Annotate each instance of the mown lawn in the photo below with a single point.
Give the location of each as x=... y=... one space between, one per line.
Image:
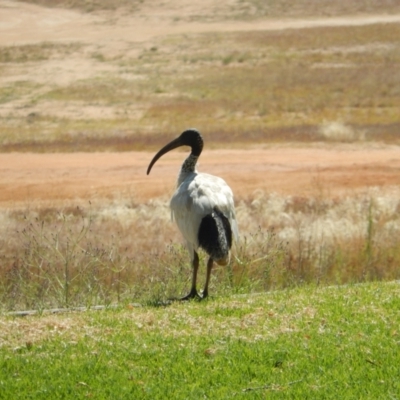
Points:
x=308 y=342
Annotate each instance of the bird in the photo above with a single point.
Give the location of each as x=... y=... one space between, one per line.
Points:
x=203 y=208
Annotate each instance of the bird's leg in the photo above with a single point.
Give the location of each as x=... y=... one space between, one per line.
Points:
x=193 y=292
x=209 y=268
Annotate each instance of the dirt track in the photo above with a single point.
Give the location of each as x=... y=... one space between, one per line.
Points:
x=49 y=179
x=26 y=23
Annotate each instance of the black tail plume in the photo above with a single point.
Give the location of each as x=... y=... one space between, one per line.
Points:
x=215 y=236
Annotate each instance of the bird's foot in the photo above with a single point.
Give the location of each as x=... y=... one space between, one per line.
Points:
x=193 y=295
x=205 y=295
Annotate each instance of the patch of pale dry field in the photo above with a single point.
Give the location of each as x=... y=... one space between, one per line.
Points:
x=124 y=35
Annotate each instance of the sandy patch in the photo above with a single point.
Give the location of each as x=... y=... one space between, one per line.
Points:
x=23 y=23
x=27 y=180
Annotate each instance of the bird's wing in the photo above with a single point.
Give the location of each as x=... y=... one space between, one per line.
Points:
x=220 y=195
x=195 y=198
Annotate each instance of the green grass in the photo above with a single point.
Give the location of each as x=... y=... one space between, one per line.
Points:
x=302 y=343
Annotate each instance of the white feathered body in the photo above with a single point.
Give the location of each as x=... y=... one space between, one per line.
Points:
x=196 y=196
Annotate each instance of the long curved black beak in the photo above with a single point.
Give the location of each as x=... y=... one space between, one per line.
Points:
x=170 y=146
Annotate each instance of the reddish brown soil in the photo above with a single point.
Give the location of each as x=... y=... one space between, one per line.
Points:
x=51 y=179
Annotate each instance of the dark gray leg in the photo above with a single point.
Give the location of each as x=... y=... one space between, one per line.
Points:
x=193 y=292
x=209 y=268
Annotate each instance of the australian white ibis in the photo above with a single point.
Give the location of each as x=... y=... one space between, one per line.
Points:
x=203 y=209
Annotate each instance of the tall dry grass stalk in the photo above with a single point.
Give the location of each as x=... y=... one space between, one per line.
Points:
x=127 y=252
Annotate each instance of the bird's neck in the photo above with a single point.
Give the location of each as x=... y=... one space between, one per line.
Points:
x=188 y=167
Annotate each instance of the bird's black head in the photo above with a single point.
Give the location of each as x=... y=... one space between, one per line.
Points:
x=190 y=137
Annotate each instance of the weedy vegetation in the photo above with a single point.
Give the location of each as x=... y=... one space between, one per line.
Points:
x=124 y=252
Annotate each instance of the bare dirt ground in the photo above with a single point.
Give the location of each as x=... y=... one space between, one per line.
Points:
x=42 y=179
x=49 y=179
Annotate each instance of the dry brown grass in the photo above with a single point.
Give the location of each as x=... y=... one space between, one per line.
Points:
x=247 y=8
x=89 y=5
x=251 y=86
x=287 y=8
x=265 y=80
x=126 y=252
x=36 y=52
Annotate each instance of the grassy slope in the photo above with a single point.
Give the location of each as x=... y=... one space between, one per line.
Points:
x=301 y=343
